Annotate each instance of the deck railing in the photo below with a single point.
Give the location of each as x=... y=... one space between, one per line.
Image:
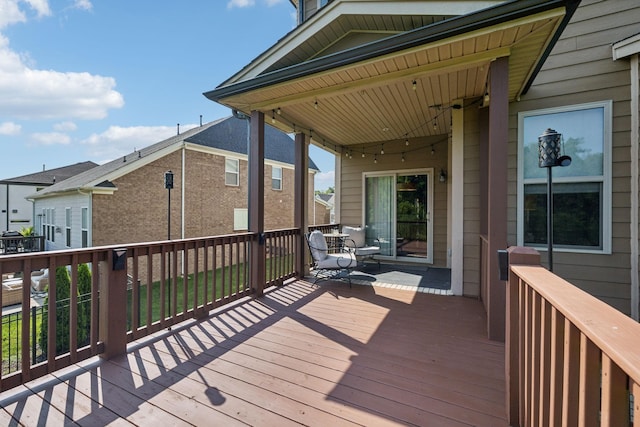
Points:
x=135 y=290
x=571 y=359
x=19 y=244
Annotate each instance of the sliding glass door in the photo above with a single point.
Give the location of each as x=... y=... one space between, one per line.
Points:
x=397 y=212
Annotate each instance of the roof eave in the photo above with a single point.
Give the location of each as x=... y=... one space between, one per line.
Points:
x=425 y=35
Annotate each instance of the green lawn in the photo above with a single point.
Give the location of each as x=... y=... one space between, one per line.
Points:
x=232 y=275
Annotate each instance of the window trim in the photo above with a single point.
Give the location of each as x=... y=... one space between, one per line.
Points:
x=236 y=172
x=276 y=179
x=84 y=227
x=67 y=225
x=607 y=219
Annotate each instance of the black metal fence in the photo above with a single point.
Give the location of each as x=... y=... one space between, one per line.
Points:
x=12 y=333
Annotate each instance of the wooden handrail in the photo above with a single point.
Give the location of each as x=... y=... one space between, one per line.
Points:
x=157 y=285
x=570 y=358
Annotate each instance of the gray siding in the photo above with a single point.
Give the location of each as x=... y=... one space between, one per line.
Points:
x=76 y=202
x=579 y=70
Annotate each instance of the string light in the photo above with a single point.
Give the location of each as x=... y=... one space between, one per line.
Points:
x=402 y=157
x=273 y=116
x=382 y=149
x=363 y=152
x=414 y=85
x=433 y=150
x=406 y=141
x=375 y=158
x=279 y=111
x=435 y=124
x=315 y=104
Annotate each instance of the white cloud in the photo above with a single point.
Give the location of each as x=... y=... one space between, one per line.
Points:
x=65 y=126
x=82 y=4
x=10 y=12
x=273 y=2
x=324 y=180
x=118 y=141
x=51 y=138
x=10 y=128
x=240 y=3
x=30 y=93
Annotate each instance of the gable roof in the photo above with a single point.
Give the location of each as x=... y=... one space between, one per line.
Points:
x=231 y=134
x=226 y=134
x=51 y=176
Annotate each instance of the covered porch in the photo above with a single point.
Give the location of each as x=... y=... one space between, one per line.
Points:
x=301 y=354
x=425 y=94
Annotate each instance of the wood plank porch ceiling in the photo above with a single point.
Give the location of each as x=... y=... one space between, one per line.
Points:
x=374 y=101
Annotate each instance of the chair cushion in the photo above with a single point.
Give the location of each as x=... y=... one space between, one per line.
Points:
x=367 y=251
x=356 y=234
x=318 y=246
x=338 y=261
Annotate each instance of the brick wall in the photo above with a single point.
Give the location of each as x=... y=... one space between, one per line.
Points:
x=137 y=211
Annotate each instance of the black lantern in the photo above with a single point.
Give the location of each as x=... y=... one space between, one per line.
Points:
x=549 y=144
x=168 y=184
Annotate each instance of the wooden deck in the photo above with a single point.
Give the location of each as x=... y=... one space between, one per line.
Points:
x=303 y=354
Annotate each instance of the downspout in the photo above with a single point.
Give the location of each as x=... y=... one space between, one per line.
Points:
x=183 y=190
x=8 y=210
x=635 y=140
x=183 y=187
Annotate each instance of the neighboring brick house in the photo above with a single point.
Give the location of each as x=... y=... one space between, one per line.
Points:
x=16 y=211
x=125 y=201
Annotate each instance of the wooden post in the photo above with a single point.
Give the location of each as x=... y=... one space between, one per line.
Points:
x=256 y=202
x=301 y=202
x=513 y=340
x=113 y=303
x=497 y=192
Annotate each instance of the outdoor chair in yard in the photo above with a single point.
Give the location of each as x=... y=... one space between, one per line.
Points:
x=356 y=242
x=327 y=266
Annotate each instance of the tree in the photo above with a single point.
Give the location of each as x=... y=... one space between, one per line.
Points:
x=63 y=286
x=84 y=304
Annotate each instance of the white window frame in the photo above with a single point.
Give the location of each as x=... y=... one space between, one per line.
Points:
x=229 y=173
x=240 y=219
x=605 y=179
x=276 y=181
x=84 y=227
x=67 y=225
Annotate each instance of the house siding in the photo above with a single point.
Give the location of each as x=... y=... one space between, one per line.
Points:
x=76 y=202
x=580 y=69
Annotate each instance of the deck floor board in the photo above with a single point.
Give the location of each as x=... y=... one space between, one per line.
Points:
x=300 y=355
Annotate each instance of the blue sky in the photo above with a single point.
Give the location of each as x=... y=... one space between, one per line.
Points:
x=94 y=79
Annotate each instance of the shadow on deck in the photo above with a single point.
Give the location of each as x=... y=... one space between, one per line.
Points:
x=302 y=354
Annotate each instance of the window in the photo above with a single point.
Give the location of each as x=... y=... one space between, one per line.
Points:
x=48 y=224
x=85 y=227
x=322 y=3
x=581 y=191
x=232 y=172
x=67 y=223
x=240 y=219
x=276 y=178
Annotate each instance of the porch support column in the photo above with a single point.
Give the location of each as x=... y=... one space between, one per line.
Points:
x=256 y=202
x=301 y=206
x=456 y=198
x=497 y=193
